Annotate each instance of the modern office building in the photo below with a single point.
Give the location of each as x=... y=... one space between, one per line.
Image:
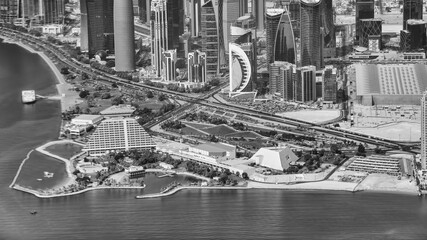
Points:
x=311 y=37
x=284 y=43
x=258 y=11
x=345 y=38
x=365 y=9
x=175 y=25
x=169 y=65
x=273 y=16
x=412 y=9
x=370 y=28
x=281 y=82
x=118 y=134
x=405 y=41
x=328 y=29
x=53 y=11
x=305 y=84
x=195 y=17
x=231 y=12
x=212 y=38
x=159 y=41
x=329 y=86
x=417 y=30
x=242 y=73
x=124 y=30
x=196 y=64
x=97 y=26
x=144 y=10
x=424 y=131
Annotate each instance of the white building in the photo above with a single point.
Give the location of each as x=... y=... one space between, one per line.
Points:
x=53 y=29
x=277 y=158
x=86 y=119
x=169 y=65
x=215 y=150
x=118 y=134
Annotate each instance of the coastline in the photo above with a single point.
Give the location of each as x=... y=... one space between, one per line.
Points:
x=67 y=97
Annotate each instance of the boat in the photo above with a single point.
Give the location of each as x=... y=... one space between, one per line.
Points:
x=39 y=179
x=48 y=174
x=28 y=96
x=33 y=212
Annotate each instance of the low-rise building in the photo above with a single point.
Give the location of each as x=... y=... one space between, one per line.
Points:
x=277 y=158
x=215 y=150
x=376 y=164
x=53 y=29
x=86 y=119
x=121 y=110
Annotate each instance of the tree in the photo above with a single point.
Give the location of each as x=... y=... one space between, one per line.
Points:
x=84 y=94
x=84 y=76
x=181 y=63
x=64 y=70
x=117 y=100
x=245 y=175
x=361 y=149
x=110 y=64
x=106 y=95
x=114 y=85
x=150 y=94
x=162 y=97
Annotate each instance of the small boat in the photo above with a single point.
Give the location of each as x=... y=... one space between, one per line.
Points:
x=28 y=96
x=48 y=174
x=39 y=179
x=33 y=212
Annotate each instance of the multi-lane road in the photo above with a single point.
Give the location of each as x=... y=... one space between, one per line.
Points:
x=202 y=100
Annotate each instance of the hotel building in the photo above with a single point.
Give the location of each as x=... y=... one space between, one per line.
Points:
x=118 y=134
x=376 y=164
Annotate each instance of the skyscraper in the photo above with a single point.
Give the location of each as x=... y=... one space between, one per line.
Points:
x=125 y=36
x=311 y=38
x=284 y=43
x=364 y=10
x=273 y=17
x=9 y=10
x=53 y=11
x=144 y=10
x=195 y=17
x=169 y=65
x=305 y=84
x=97 y=25
x=412 y=9
x=369 y=28
x=417 y=31
x=196 y=64
x=159 y=42
x=329 y=86
x=211 y=33
x=328 y=28
x=281 y=82
x=175 y=25
x=258 y=11
x=424 y=131
x=241 y=70
x=231 y=12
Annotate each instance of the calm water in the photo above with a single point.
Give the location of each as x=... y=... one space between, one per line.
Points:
x=115 y=214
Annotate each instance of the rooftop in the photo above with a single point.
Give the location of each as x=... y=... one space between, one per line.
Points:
x=216 y=147
x=118 y=109
x=87 y=117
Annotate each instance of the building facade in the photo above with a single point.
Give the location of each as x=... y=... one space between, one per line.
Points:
x=169 y=65
x=417 y=30
x=144 y=10
x=305 y=84
x=281 y=82
x=124 y=30
x=412 y=9
x=196 y=64
x=159 y=36
x=311 y=37
x=241 y=71
x=97 y=25
x=53 y=11
x=272 y=17
x=329 y=86
x=284 y=43
x=370 y=28
x=365 y=9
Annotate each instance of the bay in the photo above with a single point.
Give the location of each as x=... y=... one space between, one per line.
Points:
x=189 y=214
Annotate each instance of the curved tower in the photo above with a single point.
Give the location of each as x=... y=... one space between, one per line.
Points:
x=284 y=45
x=240 y=69
x=124 y=35
x=273 y=17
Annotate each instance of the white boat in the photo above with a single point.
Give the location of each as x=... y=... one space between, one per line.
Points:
x=28 y=96
x=48 y=174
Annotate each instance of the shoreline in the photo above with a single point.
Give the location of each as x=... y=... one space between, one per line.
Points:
x=67 y=98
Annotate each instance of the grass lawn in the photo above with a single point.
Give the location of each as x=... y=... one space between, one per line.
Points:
x=191 y=131
x=65 y=150
x=220 y=130
x=198 y=125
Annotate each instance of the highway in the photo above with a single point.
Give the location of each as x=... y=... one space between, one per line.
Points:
x=76 y=66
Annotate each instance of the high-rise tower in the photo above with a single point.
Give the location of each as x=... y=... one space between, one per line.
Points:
x=311 y=38
x=159 y=42
x=125 y=36
x=97 y=25
x=273 y=16
x=412 y=9
x=284 y=43
x=364 y=10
